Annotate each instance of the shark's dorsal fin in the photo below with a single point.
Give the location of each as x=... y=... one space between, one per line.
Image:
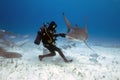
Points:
x=85 y=24
x=67 y=23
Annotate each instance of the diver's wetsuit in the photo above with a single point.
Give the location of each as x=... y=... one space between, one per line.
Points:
x=48 y=37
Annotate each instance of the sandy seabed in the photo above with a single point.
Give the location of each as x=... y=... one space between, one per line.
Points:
x=103 y=64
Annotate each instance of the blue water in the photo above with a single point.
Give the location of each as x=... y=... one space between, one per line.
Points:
x=26 y=16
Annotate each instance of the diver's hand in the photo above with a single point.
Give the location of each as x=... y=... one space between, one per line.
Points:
x=62 y=34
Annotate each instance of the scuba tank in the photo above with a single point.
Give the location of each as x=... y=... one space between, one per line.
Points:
x=46 y=34
x=38 y=37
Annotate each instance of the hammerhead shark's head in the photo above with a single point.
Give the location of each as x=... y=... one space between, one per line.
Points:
x=75 y=33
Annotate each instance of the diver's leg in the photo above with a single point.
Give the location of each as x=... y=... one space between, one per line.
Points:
x=62 y=55
x=52 y=53
x=46 y=55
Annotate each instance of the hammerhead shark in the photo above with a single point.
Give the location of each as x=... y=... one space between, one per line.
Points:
x=76 y=33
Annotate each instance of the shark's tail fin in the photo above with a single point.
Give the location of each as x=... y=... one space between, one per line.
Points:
x=88 y=46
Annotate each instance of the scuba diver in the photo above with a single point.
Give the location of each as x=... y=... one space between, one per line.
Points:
x=48 y=37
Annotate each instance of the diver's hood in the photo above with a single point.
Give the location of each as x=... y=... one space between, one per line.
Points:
x=52 y=26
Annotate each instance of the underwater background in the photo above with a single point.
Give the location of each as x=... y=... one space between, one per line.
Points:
x=26 y=16
x=97 y=58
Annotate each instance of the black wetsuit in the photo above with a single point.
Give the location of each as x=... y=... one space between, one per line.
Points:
x=48 y=38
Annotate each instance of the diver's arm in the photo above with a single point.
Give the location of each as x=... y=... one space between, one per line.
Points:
x=60 y=34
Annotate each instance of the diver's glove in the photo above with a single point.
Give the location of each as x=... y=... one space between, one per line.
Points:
x=62 y=34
